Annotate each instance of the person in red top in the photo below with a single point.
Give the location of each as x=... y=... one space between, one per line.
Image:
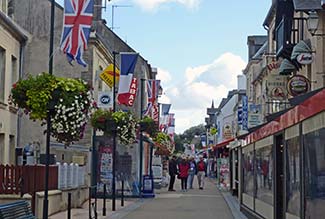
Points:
x=201 y=172
x=183 y=168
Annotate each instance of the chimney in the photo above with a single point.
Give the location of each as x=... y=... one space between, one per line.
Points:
x=97 y=10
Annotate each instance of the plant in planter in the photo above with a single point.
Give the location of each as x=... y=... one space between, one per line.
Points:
x=122 y=122
x=69 y=102
x=148 y=125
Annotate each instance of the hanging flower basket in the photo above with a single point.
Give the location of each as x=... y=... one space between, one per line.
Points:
x=123 y=123
x=148 y=125
x=164 y=144
x=69 y=102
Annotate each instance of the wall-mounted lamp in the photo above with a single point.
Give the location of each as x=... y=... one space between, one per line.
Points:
x=312 y=23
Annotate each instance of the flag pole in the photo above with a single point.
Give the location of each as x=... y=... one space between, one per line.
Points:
x=141 y=137
x=48 y=119
x=114 y=135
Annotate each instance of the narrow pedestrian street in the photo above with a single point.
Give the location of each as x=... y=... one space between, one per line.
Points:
x=207 y=203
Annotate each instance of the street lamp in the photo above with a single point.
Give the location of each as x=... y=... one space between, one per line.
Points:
x=312 y=23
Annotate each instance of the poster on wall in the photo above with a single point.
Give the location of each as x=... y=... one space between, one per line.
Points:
x=104 y=163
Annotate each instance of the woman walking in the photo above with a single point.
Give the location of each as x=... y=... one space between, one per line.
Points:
x=191 y=172
x=183 y=167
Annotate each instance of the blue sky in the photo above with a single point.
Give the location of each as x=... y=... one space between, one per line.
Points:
x=198 y=46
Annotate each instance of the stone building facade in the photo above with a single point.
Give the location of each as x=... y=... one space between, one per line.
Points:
x=13 y=40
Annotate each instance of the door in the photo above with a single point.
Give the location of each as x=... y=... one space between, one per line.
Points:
x=279 y=177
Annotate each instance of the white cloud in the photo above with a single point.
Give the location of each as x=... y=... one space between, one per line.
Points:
x=163 y=75
x=150 y=5
x=202 y=85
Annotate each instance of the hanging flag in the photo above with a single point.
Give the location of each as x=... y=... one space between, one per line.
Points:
x=165 y=108
x=128 y=62
x=108 y=75
x=153 y=91
x=76 y=28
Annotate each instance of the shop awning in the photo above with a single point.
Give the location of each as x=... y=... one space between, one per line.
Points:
x=222 y=144
x=303 y=46
x=286 y=67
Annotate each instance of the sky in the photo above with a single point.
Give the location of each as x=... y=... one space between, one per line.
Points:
x=198 y=46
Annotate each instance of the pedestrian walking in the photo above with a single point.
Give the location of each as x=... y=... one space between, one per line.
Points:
x=172 y=169
x=183 y=167
x=191 y=172
x=201 y=172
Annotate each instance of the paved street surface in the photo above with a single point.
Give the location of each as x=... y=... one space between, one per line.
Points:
x=197 y=204
x=206 y=204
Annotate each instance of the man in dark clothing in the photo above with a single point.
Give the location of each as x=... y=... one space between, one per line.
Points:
x=172 y=166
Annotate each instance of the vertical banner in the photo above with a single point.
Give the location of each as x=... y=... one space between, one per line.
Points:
x=128 y=63
x=152 y=107
x=245 y=112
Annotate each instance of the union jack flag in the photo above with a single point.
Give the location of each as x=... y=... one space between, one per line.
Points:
x=76 y=28
x=153 y=90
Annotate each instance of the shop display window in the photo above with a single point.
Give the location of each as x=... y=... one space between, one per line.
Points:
x=248 y=175
x=264 y=174
x=293 y=195
x=314 y=153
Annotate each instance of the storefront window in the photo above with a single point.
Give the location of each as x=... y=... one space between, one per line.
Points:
x=264 y=167
x=293 y=176
x=314 y=146
x=248 y=164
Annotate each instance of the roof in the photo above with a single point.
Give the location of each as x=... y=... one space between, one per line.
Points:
x=307 y=5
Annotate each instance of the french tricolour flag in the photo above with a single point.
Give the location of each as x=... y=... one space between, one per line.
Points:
x=128 y=62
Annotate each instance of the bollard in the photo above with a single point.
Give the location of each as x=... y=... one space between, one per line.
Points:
x=69 y=205
x=104 y=201
x=95 y=202
x=89 y=204
x=122 y=195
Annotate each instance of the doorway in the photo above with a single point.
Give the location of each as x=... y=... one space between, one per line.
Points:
x=279 y=177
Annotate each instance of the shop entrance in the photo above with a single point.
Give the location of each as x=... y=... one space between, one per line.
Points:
x=279 y=177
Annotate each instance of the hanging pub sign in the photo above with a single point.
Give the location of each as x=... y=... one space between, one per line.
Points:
x=297 y=85
x=305 y=58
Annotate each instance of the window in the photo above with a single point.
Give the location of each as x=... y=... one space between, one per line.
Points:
x=2 y=73
x=14 y=72
x=264 y=179
x=248 y=166
x=293 y=197
x=314 y=168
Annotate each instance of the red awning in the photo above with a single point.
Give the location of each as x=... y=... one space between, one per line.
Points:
x=224 y=143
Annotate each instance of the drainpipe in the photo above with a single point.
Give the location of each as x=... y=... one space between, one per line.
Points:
x=21 y=61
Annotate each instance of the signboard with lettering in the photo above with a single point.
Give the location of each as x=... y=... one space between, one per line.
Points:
x=305 y=58
x=297 y=85
x=244 y=114
x=108 y=75
x=133 y=91
x=105 y=99
x=254 y=115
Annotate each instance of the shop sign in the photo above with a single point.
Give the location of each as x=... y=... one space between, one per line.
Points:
x=276 y=87
x=227 y=131
x=298 y=85
x=305 y=58
x=254 y=115
x=105 y=100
